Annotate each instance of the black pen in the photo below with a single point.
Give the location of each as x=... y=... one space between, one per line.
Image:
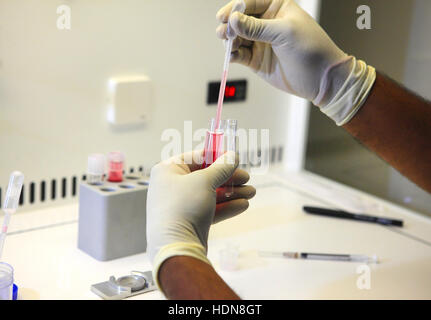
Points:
x=353 y=216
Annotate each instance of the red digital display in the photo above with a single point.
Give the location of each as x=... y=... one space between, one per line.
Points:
x=235 y=91
x=230 y=92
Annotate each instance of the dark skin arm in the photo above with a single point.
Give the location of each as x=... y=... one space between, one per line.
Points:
x=186 y=278
x=396 y=125
x=393 y=122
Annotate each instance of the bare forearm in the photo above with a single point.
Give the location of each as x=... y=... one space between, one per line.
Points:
x=396 y=124
x=186 y=278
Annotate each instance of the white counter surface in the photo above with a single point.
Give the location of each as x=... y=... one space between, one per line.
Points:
x=42 y=248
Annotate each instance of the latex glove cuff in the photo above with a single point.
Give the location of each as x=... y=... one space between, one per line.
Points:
x=346 y=96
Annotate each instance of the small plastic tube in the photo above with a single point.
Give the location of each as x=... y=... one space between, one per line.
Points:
x=11 y=204
x=6 y=281
x=229 y=257
x=96 y=168
x=13 y=193
x=230 y=134
x=115 y=166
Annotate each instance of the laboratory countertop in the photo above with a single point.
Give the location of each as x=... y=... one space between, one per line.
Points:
x=42 y=248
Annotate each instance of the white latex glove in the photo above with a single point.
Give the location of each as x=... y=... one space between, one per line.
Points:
x=183 y=201
x=287 y=47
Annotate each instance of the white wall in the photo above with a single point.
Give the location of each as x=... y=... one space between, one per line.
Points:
x=298 y=116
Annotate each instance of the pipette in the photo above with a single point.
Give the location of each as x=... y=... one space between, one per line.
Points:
x=11 y=203
x=239 y=6
x=214 y=137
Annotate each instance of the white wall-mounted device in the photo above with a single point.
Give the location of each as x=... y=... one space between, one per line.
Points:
x=130 y=100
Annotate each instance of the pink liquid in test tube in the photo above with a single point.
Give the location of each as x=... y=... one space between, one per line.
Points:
x=214 y=148
x=213 y=145
x=115 y=166
x=217 y=142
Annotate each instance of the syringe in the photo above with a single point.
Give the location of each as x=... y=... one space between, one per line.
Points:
x=11 y=203
x=239 y=6
x=320 y=256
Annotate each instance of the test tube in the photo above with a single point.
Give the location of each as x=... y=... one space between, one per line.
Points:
x=13 y=192
x=213 y=143
x=115 y=166
x=11 y=204
x=230 y=135
x=96 y=168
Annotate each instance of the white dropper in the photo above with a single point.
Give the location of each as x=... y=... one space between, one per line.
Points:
x=11 y=203
x=239 y=6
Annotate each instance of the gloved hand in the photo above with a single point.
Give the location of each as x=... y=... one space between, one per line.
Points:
x=183 y=201
x=287 y=48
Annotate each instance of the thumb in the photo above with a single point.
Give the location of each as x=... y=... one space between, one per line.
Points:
x=222 y=169
x=251 y=28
